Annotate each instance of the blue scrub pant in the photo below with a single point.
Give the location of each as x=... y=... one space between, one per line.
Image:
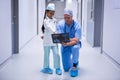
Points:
x=70 y=55
x=55 y=56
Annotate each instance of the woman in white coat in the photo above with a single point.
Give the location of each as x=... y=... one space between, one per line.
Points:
x=48 y=28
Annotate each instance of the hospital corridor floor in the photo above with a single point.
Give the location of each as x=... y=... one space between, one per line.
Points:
x=27 y=65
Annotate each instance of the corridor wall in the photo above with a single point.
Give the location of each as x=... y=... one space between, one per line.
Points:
x=27 y=24
x=111 y=29
x=41 y=12
x=27 y=21
x=5 y=30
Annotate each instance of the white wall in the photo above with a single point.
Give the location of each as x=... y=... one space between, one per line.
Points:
x=27 y=21
x=41 y=13
x=5 y=30
x=111 y=29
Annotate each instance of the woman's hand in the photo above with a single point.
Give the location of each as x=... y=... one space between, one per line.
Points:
x=54 y=32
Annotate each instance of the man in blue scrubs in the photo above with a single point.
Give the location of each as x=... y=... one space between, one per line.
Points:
x=70 y=50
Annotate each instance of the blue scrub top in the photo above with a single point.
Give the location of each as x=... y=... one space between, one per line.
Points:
x=74 y=29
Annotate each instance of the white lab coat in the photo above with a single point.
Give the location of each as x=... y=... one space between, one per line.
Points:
x=50 y=28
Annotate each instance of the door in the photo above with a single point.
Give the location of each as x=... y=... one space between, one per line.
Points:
x=90 y=23
x=94 y=22
x=15 y=25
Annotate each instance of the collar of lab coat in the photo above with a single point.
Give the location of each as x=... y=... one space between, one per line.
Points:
x=51 y=19
x=48 y=18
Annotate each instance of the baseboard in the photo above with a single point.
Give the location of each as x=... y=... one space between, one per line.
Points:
x=5 y=62
x=113 y=61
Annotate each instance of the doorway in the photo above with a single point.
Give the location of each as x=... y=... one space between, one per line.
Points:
x=15 y=25
x=94 y=22
x=60 y=6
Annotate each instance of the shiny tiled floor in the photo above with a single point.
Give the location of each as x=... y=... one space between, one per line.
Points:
x=27 y=65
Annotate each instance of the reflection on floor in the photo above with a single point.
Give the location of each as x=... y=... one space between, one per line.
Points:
x=27 y=65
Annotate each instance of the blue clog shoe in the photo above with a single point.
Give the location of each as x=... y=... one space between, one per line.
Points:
x=47 y=70
x=74 y=72
x=58 y=71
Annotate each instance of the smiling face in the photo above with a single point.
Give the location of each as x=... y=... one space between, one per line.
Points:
x=68 y=19
x=50 y=14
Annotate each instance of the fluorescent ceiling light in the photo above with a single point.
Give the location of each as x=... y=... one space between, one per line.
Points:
x=62 y=0
x=69 y=1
